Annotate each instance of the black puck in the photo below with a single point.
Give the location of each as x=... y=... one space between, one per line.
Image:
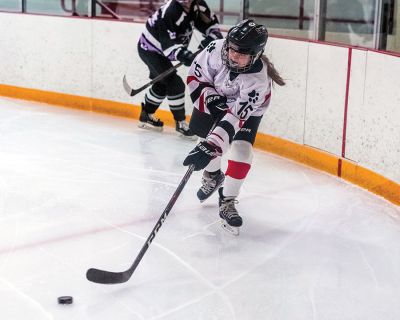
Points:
x=65 y=300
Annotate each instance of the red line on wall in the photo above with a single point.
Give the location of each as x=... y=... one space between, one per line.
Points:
x=346 y=105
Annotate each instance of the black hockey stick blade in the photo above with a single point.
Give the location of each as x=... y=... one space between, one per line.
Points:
x=109 y=277
x=132 y=92
x=129 y=90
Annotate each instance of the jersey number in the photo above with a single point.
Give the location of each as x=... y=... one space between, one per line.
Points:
x=197 y=70
x=244 y=110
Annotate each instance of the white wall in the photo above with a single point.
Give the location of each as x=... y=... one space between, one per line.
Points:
x=374 y=113
x=89 y=58
x=326 y=87
x=115 y=54
x=286 y=114
x=48 y=53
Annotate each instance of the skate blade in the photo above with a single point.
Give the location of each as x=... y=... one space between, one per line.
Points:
x=190 y=138
x=147 y=126
x=231 y=230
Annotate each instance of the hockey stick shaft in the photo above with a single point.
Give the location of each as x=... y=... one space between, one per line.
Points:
x=109 y=277
x=132 y=92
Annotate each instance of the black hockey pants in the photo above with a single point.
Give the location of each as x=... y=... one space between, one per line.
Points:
x=171 y=86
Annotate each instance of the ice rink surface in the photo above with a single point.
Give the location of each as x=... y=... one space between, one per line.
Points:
x=81 y=190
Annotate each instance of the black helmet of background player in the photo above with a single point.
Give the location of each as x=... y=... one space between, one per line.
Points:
x=246 y=37
x=186 y=4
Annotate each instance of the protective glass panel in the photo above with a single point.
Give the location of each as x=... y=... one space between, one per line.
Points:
x=10 y=5
x=228 y=12
x=284 y=17
x=51 y=7
x=350 y=22
x=139 y=10
x=391 y=26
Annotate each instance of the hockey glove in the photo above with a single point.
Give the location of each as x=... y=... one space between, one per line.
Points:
x=186 y=56
x=205 y=42
x=217 y=106
x=214 y=35
x=201 y=155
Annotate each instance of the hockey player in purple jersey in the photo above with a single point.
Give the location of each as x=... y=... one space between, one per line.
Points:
x=230 y=85
x=166 y=37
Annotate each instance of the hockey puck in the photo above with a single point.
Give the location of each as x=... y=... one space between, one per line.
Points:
x=65 y=300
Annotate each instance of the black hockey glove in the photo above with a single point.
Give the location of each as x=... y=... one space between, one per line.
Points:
x=202 y=154
x=186 y=56
x=214 y=35
x=217 y=106
x=205 y=42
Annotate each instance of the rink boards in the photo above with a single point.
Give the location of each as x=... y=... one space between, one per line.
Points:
x=338 y=112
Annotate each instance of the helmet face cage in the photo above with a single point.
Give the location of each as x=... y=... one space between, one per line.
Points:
x=232 y=65
x=247 y=38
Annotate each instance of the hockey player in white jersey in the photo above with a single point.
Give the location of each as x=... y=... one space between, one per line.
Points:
x=166 y=37
x=230 y=85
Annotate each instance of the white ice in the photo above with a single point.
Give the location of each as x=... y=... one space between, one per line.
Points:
x=81 y=190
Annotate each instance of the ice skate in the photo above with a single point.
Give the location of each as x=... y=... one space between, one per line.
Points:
x=150 y=121
x=184 y=131
x=210 y=183
x=231 y=221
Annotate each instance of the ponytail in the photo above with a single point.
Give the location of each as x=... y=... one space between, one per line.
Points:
x=272 y=72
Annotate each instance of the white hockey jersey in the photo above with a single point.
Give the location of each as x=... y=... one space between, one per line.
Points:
x=248 y=94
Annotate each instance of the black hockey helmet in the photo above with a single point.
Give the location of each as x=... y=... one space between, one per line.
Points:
x=246 y=37
x=185 y=3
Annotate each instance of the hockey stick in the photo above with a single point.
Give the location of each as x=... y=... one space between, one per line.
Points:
x=132 y=92
x=109 y=277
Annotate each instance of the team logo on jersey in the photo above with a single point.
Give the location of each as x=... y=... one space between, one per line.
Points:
x=152 y=20
x=143 y=46
x=246 y=107
x=253 y=96
x=172 y=35
x=210 y=48
x=185 y=37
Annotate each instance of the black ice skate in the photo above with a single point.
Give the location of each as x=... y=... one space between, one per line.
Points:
x=150 y=121
x=210 y=183
x=183 y=129
x=231 y=221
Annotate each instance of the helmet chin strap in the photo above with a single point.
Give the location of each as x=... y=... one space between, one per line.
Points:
x=234 y=65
